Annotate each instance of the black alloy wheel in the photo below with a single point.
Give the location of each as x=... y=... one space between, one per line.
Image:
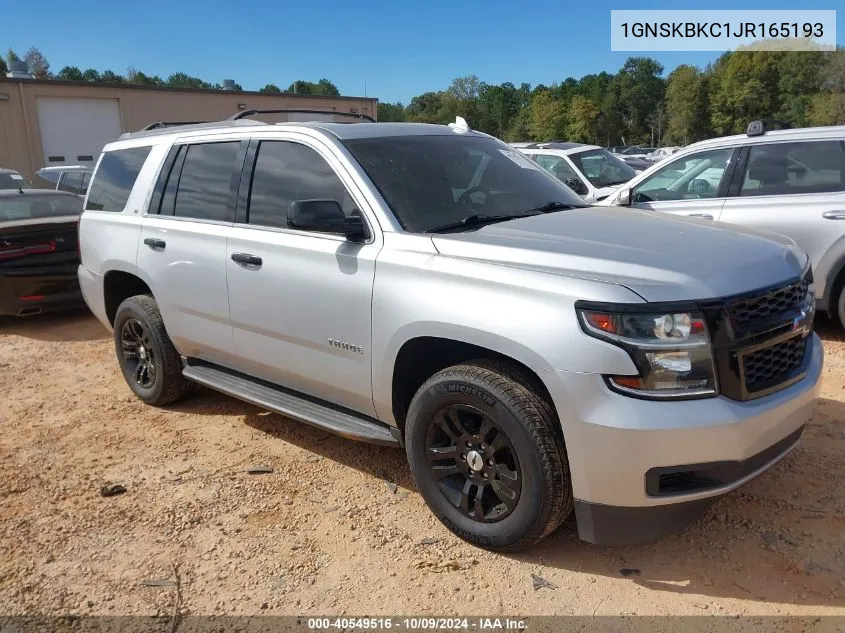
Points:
x=474 y=463
x=138 y=353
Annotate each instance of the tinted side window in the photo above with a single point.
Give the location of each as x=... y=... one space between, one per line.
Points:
x=691 y=177
x=204 y=183
x=789 y=168
x=72 y=182
x=115 y=178
x=285 y=172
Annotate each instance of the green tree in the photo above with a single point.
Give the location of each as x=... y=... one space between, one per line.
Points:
x=301 y=87
x=497 y=106
x=744 y=87
x=799 y=79
x=91 y=74
x=182 y=80
x=12 y=56
x=137 y=77
x=686 y=105
x=548 y=117
x=639 y=89
x=70 y=73
x=37 y=64
x=828 y=107
x=271 y=89
x=3 y=67
x=391 y=112
x=429 y=107
x=110 y=77
x=326 y=87
x=583 y=120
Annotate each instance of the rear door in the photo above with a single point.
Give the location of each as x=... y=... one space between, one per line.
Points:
x=182 y=249
x=694 y=185
x=796 y=189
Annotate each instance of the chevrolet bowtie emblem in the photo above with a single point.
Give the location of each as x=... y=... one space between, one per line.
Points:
x=801 y=323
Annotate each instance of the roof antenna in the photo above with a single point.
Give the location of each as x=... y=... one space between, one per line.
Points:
x=460 y=125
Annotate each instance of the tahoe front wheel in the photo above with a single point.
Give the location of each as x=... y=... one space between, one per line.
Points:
x=486 y=452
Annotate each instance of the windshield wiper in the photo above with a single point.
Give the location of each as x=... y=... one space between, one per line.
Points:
x=477 y=219
x=554 y=205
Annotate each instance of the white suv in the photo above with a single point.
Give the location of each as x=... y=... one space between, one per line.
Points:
x=786 y=181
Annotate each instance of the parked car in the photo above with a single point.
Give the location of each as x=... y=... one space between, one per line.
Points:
x=39 y=253
x=70 y=178
x=433 y=288
x=10 y=179
x=790 y=182
x=616 y=149
x=636 y=152
x=664 y=152
x=590 y=171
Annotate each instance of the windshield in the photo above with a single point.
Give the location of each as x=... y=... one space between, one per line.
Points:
x=602 y=168
x=433 y=181
x=11 y=180
x=31 y=207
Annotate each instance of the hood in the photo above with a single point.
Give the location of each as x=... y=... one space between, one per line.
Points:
x=660 y=257
x=603 y=192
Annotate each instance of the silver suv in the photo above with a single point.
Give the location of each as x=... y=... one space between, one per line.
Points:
x=786 y=181
x=430 y=287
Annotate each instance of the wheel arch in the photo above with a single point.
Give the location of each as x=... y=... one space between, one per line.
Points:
x=419 y=357
x=119 y=285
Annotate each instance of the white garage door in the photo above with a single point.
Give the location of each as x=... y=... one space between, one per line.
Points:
x=73 y=131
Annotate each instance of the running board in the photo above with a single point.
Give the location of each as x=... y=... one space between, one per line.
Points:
x=341 y=421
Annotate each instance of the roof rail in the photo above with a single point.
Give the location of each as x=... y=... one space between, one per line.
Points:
x=245 y=113
x=758 y=128
x=159 y=124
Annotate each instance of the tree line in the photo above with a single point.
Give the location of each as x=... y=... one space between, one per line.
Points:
x=636 y=105
x=38 y=66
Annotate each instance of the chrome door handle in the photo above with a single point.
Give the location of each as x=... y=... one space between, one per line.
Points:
x=706 y=216
x=834 y=215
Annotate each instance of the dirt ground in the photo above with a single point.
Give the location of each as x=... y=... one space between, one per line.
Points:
x=337 y=527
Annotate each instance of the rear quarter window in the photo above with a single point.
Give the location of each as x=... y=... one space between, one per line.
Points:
x=114 y=178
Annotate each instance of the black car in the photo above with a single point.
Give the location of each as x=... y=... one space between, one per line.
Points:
x=10 y=179
x=39 y=251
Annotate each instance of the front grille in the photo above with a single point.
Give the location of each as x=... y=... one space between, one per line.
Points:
x=762 y=307
x=760 y=338
x=770 y=366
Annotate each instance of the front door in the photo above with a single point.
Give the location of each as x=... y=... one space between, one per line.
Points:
x=300 y=302
x=694 y=185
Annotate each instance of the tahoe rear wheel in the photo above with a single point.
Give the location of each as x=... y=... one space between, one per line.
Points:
x=486 y=452
x=150 y=364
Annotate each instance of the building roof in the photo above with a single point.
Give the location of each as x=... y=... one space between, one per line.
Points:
x=91 y=84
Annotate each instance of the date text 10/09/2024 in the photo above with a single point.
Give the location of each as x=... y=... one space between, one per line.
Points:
x=722 y=29
x=417 y=624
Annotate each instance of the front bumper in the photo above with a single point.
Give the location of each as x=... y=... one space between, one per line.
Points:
x=613 y=441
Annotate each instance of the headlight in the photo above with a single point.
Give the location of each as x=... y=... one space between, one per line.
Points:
x=670 y=349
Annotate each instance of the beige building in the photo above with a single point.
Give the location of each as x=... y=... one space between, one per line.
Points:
x=45 y=123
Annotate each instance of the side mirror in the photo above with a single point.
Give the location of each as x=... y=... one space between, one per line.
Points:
x=325 y=216
x=624 y=198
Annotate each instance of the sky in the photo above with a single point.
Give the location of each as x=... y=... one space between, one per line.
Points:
x=389 y=50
